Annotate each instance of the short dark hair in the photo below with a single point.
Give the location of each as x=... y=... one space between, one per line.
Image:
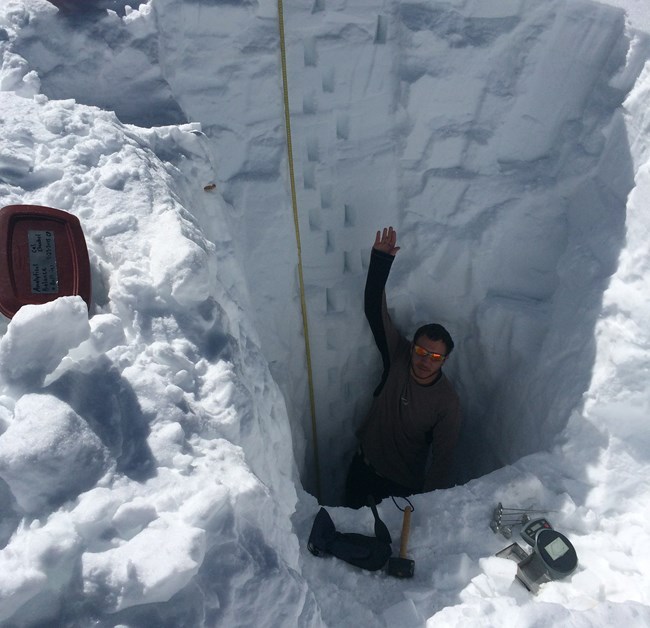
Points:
x=434 y=331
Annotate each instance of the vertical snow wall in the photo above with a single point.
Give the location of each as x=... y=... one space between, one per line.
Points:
x=488 y=133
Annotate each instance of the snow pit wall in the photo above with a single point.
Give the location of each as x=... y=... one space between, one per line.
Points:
x=489 y=134
x=491 y=137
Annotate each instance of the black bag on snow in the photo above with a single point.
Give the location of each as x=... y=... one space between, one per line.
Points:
x=359 y=550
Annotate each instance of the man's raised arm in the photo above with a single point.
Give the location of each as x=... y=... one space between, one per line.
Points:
x=381 y=260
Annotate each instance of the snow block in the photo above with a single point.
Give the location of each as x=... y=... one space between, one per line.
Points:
x=39 y=337
x=403 y=614
x=48 y=454
x=153 y=566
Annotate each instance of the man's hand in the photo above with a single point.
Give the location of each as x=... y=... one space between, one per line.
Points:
x=385 y=241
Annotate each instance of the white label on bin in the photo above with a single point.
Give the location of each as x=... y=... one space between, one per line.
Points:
x=42 y=262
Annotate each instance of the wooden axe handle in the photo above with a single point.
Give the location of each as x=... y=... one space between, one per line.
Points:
x=406 y=527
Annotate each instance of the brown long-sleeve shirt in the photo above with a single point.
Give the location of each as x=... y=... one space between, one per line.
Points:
x=411 y=430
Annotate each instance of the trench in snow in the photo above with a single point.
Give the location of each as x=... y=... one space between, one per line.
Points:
x=503 y=163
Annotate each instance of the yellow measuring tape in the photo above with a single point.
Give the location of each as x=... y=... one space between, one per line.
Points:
x=301 y=283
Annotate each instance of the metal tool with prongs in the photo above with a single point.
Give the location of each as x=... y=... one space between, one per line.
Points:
x=503 y=519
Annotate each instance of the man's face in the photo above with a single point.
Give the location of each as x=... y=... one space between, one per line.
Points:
x=425 y=368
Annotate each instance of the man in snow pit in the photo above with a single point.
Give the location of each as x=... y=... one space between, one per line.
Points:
x=407 y=439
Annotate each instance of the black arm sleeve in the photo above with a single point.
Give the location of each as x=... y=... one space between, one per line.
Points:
x=378 y=271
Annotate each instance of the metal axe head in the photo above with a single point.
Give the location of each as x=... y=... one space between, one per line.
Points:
x=401 y=567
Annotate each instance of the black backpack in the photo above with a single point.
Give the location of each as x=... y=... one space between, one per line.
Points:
x=367 y=552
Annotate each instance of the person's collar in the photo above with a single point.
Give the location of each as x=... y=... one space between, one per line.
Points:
x=435 y=380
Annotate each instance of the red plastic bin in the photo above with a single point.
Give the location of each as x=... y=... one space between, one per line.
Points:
x=43 y=256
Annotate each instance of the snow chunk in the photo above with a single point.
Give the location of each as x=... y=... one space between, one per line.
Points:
x=131 y=518
x=37 y=561
x=15 y=76
x=39 y=337
x=403 y=614
x=18 y=590
x=178 y=263
x=151 y=567
x=107 y=332
x=49 y=454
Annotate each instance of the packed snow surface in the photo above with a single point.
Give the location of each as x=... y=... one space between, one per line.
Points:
x=158 y=458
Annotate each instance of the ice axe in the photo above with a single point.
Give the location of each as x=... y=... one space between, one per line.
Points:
x=402 y=567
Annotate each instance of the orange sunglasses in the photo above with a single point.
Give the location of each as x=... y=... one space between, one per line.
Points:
x=422 y=352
